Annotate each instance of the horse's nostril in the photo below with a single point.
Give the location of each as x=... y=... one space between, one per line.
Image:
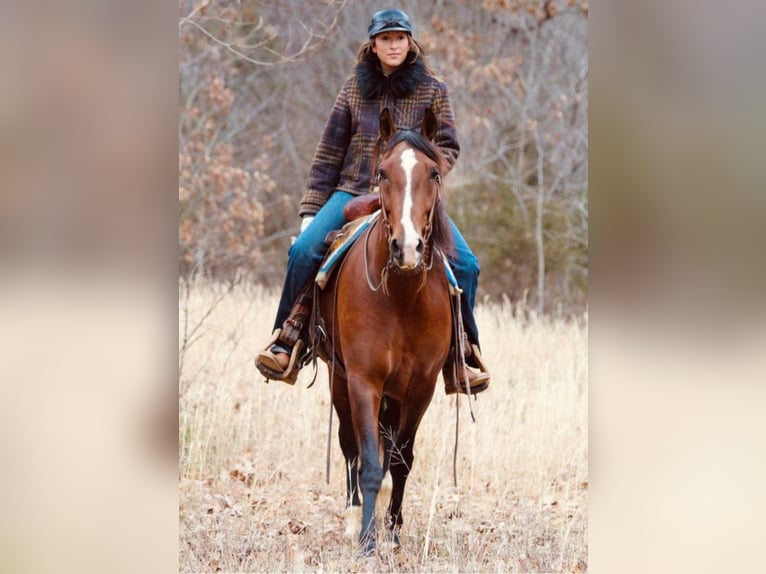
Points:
x=420 y=246
x=396 y=251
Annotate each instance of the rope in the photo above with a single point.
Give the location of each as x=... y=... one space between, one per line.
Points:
x=460 y=355
x=457 y=428
x=383 y=273
x=329 y=428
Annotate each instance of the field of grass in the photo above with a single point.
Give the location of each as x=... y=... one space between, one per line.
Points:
x=252 y=489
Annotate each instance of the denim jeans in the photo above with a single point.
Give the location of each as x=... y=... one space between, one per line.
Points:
x=306 y=254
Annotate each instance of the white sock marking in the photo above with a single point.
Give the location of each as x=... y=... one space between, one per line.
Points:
x=352 y=522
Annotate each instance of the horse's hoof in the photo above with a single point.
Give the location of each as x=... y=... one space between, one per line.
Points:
x=397 y=544
x=367 y=549
x=367 y=544
x=393 y=544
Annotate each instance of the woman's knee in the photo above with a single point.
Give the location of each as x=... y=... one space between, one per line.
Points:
x=466 y=264
x=471 y=263
x=306 y=250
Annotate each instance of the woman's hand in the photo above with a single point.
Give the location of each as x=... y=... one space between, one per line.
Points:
x=305 y=222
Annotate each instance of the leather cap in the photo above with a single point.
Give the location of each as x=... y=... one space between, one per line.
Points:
x=389 y=21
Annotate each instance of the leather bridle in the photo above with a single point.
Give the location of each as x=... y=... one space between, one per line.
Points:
x=387 y=234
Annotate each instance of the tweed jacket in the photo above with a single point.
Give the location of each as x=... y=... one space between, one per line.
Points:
x=349 y=146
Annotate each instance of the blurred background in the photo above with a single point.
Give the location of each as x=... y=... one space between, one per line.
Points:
x=108 y=110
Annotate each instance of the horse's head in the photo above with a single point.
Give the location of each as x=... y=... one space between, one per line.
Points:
x=410 y=179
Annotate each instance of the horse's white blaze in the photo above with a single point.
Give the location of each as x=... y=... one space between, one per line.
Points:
x=411 y=237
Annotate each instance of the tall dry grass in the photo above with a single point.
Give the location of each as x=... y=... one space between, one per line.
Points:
x=253 y=497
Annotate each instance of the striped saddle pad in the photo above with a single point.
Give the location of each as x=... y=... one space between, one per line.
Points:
x=346 y=238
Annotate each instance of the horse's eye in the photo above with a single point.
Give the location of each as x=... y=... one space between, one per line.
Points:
x=436 y=177
x=382 y=175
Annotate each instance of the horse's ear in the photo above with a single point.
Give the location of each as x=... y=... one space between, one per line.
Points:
x=430 y=125
x=387 y=125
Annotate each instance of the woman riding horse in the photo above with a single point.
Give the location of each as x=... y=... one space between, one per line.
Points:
x=386 y=312
x=390 y=73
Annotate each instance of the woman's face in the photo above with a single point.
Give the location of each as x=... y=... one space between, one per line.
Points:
x=391 y=49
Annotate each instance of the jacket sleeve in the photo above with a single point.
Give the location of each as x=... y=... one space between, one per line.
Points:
x=329 y=156
x=446 y=137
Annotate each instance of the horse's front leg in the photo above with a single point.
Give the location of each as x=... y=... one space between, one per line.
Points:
x=389 y=427
x=403 y=457
x=365 y=404
x=401 y=464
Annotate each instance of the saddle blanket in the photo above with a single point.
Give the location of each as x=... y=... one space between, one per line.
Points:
x=346 y=238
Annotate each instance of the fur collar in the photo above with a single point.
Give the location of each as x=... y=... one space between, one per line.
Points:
x=401 y=83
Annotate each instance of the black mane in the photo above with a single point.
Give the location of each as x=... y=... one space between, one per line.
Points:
x=418 y=141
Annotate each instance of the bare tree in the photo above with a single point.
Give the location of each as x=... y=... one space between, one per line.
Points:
x=520 y=93
x=234 y=68
x=258 y=80
x=254 y=32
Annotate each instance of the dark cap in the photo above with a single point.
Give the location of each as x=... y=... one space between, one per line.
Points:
x=389 y=21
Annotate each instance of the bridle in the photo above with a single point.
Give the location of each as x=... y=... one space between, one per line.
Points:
x=387 y=234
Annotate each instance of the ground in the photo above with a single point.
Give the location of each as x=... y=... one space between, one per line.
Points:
x=253 y=495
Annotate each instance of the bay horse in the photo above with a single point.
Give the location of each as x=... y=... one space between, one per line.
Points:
x=388 y=317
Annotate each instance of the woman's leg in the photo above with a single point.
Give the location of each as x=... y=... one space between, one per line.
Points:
x=465 y=265
x=306 y=254
x=466 y=268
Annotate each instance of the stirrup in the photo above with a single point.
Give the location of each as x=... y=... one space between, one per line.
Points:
x=290 y=374
x=451 y=386
x=476 y=356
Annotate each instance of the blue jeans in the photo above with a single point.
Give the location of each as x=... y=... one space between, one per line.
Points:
x=306 y=254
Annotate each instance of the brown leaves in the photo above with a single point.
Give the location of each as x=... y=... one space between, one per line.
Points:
x=485 y=526
x=220 y=215
x=540 y=9
x=296 y=526
x=247 y=478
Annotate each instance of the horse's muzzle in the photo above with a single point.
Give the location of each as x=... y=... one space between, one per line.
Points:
x=407 y=257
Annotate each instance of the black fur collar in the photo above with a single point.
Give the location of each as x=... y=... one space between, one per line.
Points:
x=401 y=83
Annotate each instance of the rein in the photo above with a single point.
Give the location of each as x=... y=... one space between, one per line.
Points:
x=383 y=274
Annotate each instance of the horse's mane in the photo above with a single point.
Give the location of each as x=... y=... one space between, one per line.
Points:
x=441 y=234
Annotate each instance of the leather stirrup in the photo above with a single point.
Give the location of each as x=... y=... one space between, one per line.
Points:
x=290 y=374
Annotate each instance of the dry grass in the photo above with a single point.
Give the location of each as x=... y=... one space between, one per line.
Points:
x=253 y=496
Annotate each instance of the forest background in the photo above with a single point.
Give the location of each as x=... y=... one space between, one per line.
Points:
x=258 y=80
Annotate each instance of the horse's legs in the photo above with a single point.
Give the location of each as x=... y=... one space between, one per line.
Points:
x=401 y=464
x=352 y=514
x=365 y=404
x=352 y=475
x=389 y=428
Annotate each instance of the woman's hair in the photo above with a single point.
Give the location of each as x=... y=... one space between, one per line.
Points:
x=414 y=53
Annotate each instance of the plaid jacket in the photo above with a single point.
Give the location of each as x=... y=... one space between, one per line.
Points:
x=345 y=157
